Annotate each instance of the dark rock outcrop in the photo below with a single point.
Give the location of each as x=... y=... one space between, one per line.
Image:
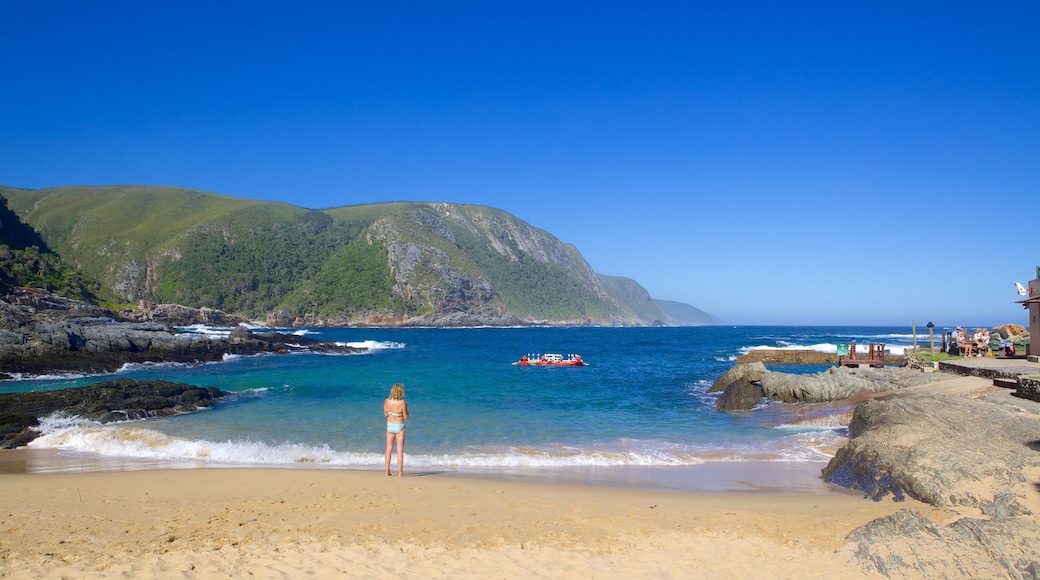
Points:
x=739 y=396
x=177 y=315
x=119 y=400
x=53 y=334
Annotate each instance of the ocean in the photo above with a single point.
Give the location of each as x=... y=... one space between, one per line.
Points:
x=637 y=414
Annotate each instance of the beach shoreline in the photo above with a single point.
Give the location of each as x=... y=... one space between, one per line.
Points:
x=723 y=477
x=274 y=522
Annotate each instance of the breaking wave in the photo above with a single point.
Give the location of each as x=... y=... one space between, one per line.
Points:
x=133 y=441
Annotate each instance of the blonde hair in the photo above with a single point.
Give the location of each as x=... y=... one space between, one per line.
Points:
x=397 y=392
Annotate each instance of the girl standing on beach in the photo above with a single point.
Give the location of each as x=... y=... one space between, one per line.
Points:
x=396 y=412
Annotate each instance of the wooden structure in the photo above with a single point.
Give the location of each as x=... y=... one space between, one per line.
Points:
x=875 y=356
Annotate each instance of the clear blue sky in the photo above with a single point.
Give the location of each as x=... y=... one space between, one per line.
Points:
x=791 y=163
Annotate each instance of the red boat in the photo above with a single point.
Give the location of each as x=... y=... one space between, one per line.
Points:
x=550 y=360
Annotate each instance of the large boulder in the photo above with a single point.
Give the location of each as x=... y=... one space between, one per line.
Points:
x=737 y=372
x=1007 y=330
x=840 y=383
x=739 y=396
x=942 y=450
x=745 y=381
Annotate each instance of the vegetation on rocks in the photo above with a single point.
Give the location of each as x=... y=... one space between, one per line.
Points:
x=26 y=261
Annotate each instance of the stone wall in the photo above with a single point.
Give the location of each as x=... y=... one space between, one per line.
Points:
x=1029 y=388
x=915 y=362
x=953 y=367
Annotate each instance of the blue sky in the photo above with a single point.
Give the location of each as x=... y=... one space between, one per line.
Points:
x=770 y=163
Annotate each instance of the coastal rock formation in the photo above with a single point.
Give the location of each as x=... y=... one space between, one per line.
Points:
x=741 y=371
x=1011 y=331
x=742 y=395
x=976 y=457
x=22 y=303
x=908 y=544
x=120 y=400
x=834 y=384
x=945 y=451
x=177 y=315
x=840 y=383
x=54 y=334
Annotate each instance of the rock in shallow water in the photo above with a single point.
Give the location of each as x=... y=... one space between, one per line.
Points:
x=739 y=396
x=737 y=372
x=120 y=400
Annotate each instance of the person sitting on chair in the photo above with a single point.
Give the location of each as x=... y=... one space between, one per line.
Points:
x=957 y=341
x=982 y=341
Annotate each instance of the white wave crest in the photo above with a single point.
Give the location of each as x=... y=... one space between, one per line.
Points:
x=373 y=345
x=47 y=377
x=132 y=441
x=205 y=330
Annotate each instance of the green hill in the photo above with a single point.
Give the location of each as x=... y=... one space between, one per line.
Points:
x=27 y=261
x=390 y=263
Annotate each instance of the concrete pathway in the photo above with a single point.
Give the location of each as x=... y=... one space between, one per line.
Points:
x=955 y=386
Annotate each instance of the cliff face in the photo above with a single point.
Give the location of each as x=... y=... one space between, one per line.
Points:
x=449 y=259
x=378 y=264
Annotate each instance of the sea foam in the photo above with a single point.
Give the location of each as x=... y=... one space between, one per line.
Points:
x=134 y=441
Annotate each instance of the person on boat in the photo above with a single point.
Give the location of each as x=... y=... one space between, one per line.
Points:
x=395 y=410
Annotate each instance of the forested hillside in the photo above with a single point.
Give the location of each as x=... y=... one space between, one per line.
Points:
x=25 y=260
x=387 y=264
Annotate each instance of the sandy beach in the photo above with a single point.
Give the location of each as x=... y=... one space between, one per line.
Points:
x=271 y=523
x=63 y=516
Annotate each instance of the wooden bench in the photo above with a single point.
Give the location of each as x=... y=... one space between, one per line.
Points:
x=875 y=356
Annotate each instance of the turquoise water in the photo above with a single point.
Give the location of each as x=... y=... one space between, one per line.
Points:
x=640 y=401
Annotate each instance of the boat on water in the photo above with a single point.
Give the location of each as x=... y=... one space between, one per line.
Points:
x=550 y=360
